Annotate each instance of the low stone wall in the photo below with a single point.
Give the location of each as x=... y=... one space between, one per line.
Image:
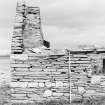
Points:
x=40 y=76
x=55 y=75
x=83 y=82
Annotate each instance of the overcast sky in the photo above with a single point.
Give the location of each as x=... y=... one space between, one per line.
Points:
x=65 y=23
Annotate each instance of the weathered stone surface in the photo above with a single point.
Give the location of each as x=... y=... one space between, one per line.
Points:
x=40 y=74
x=20 y=65
x=19 y=57
x=19 y=95
x=58 y=94
x=41 y=84
x=95 y=79
x=47 y=93
x=59 y=84
x=52 y=78
x=32 y=84
x=48 y=84
x=19 y=84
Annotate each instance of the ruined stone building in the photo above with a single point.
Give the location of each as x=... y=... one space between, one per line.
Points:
x=39 y=73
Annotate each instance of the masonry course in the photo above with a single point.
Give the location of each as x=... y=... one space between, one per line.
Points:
x=42 y=74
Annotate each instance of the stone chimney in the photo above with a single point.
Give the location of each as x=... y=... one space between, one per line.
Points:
x=27 y=29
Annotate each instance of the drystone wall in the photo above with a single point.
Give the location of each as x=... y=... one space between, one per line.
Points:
x=84 y=81
x=55 y=75
x=80 y=66
x=32 y=30
x=27 y=29
x=40 y=76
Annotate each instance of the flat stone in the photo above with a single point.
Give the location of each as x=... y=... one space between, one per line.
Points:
x=81 y=90
x=33 y=84
x=19 y=84
x=19 y=95
x=67 y=94
x=103 y=83
x=59 y=84
x=41 y=85
x=20 y=65
x=19 y=56
x=34 y=96
x=58 y=94
x=95 y=79
x=66 y=84
x=90 y=91
x=48 y=84
x=47 y=93
x=53 y=84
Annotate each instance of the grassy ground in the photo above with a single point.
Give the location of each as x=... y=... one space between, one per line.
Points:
x=87 y=101
x=5 y=95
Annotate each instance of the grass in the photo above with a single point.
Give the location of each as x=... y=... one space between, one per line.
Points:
x=86 y=101
x=5 y=95
x=89 y=101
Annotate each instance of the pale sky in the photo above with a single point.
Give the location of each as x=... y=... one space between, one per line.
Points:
x=65 y=23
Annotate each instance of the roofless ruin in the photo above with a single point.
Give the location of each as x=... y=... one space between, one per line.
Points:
x=41 y=74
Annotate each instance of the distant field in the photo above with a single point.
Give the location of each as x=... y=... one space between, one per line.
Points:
x=4 y=67
x=4 y=56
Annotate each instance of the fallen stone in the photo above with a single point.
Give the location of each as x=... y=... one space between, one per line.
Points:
x=47 y=93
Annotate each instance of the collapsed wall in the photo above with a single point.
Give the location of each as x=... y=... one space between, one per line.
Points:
x=42 y=74
x=87 y=73
x=56 y=75
x=37 y=74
